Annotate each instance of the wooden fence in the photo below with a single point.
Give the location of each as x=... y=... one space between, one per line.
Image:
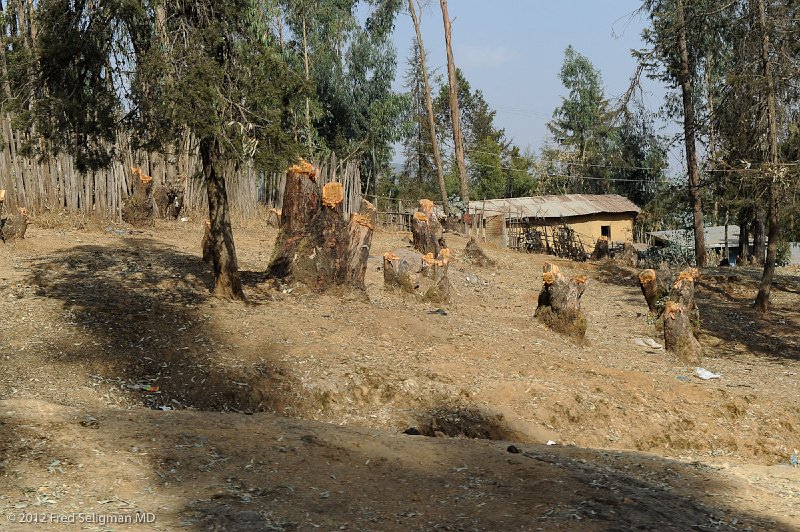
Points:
x=53 y=184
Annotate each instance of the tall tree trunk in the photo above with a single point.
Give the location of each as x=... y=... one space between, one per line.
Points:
x=744 y=237
x=227 y=283
x=308 y=77
x=437 y=156
x=455 y=115
x=762 y=299
x=689 y=130
x=759 y=235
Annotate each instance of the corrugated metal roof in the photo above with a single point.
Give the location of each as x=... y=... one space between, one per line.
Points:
x=714 y=236
x=563 y=206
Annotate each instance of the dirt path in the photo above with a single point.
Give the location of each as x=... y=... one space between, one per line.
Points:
x=117 y=327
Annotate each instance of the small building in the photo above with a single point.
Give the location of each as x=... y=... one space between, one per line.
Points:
x=714 y=237
x=716 y=241
x=589 y=216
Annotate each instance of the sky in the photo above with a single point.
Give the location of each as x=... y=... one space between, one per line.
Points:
x=512 y=50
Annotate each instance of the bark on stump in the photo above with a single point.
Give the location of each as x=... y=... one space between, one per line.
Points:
x=317 y=246
x=426 y=231
x=398 y=273
x=679 y=336
x=423 y=276
x=13 y=227
x=654 y=290
x=629 y=255
x=139 y=208
x=559 y=304
x=435 y=269
x=476 y=255
x=168 y=200
x=683 y=292
x=600 y=249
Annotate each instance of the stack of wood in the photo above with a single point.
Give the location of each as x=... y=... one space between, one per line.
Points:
x=317 y=245
x=559 y=304
x=12 y=226
x=674 y=303
x=139 y=208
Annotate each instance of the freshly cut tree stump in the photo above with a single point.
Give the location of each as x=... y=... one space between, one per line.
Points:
x=274 y=217
x=427 y=233
x=474 y=253
x=675 y=304
x=398 y=273
x=424 y=276
x=559 y=304
x=654 y=290
x=13 y=227
x=679 y=335
x=139 y=208
x=683 y=293
x=317 y=246
x=435 y=269
x=600 y=249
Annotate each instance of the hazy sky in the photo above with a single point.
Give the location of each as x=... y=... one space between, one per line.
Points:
x=512 y=50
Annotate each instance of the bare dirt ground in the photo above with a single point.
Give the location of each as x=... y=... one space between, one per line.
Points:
x=125 y=388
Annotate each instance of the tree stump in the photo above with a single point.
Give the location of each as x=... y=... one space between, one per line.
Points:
x=424 y=276
x=435 y=269
x=317 y=246
x=399 y=273
x=139 y=208
x=679 y=335
x=168 y=200
x=559 y=303
x=629 y=257
x=426 y=231
x=675 y=304
x=13 y=227
x=600 y=249
x=654 y=290
x=683 y=292
x=274 y=217
x=476 y=255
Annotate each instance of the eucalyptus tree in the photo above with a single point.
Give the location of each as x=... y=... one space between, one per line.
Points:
x=160 y=69
x=684 y=37
x=581 y=125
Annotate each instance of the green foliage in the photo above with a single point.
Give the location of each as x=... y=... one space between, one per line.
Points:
x=76 y=107
x=599 y=150
x=352 y=66
x=220 y=82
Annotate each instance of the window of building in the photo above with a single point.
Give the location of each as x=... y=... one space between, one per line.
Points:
x=605 y=230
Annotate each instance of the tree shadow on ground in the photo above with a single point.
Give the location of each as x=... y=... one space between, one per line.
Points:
x=138 y=307
x=726 y=311
x=725 y=300
x=217 y=471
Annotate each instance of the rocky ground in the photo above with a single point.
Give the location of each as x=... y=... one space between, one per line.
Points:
x=124 y=387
